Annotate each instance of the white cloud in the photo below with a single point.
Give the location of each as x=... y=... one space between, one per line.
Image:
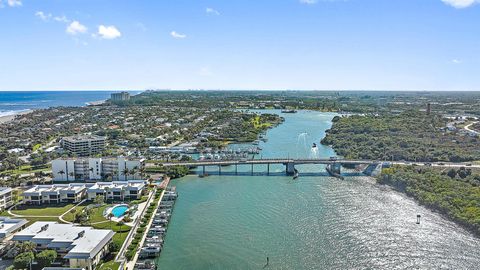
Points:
x=14 y=3
x=456 y=61
x=308 y=2
x=108 y=32
x=177 y=35
x=212 y=11
x=76 y=28
x=460 y=3
x=43 y=16
x=61 y=19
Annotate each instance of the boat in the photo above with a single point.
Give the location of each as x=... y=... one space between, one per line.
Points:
x=289 y=111
x=314 y=145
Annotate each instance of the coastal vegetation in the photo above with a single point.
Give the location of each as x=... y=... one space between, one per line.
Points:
x=411 y=136
x=454 y=192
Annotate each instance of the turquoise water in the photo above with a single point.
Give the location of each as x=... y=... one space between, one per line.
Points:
x=120 y=210
x=317 y=222
x=16 y=101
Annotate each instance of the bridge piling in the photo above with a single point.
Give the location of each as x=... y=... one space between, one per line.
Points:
x=252 y=168
x=219 y=170
x=236 y=169
x=290 y=168
x=268 y=168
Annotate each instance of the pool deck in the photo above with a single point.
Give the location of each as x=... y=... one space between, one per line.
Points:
x=114 y=218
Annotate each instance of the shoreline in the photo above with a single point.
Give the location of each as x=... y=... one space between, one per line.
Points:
x=10 y=117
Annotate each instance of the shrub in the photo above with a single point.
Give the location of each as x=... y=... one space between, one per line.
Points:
x=46 y=257
x=23 y=260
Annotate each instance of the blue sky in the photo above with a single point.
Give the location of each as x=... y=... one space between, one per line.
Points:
x=240 y=44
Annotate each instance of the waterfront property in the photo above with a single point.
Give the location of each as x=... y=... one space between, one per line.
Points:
x=54 y=194
x=5 y=198
x=81 y=247
x=122 y=96
x=84 y=145
x=117 y=190
x=9 y=226
x=94 y=169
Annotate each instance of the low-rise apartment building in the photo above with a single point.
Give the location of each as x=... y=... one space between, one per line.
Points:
x=5 y=198
x=81 y=247
x=76 y=192
x=8 y=226
x=118 y=190
x=53 y=194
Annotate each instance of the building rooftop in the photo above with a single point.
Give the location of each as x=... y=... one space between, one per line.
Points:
x=119 y=184
x=56 y=188
x=79 y=138
x=7 y=225
x=81 y=242
x=4 y=190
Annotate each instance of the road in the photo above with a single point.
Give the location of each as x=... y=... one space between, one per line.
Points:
x=467 y=127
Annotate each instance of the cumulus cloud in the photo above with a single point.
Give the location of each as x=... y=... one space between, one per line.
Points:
x=43 y=16
x=76 y=28
x=61 y=19
x=108 y=32
x=177 y=35
x=456 y=61
x=212 y=11
x=14 y=3
x=460 y=3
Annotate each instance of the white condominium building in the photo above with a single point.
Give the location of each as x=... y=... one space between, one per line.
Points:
x=84 y=145
x=94 y=169
x=5 y=198
x=9 y=226
x=52 y=194
x=80 y=247
x=119 y=190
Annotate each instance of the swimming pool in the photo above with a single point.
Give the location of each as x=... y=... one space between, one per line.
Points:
x=119 y=210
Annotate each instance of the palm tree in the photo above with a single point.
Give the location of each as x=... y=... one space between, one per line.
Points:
x=125 y=172
x=109 y=216
x=25 y=246
x=61 y=172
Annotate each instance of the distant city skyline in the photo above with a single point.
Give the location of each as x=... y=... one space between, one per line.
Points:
x=240 y=45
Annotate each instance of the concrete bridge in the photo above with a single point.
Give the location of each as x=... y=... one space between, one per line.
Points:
x=333 y=165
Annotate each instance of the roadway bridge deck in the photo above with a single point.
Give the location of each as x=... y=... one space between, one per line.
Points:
x=333 y=165
x=269 y=161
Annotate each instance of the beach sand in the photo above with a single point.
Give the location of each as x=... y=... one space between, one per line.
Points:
x=8 y=118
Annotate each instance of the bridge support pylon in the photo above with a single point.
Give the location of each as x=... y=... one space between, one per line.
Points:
x=290 y=168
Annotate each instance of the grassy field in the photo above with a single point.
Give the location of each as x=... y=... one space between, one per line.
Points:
x=110 y=265
x=41 y=210
x=71 y=215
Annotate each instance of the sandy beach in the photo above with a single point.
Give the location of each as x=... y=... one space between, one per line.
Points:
x=8 y=118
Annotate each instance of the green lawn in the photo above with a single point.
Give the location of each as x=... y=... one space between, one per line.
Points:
x=70 y=215
x=42 y=210
x=97 y=213
x=110 y=265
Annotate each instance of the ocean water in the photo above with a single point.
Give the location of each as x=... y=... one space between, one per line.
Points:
x=315 y=222
x=17 y=101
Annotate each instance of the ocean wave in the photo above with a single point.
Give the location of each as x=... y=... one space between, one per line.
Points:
x=7 y=113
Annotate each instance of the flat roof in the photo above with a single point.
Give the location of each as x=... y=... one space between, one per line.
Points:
x=56 y=188
x=118 y=184
x=4 y=190
x=85 y=242
x=7 y=225
x=83 y=138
